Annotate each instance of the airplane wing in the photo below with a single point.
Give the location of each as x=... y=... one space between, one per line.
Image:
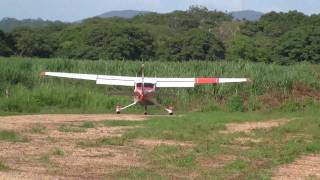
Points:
x=192 y=82
x=100 y=79
x=160 y=82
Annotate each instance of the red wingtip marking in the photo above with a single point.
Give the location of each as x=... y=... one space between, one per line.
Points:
x=207 y=80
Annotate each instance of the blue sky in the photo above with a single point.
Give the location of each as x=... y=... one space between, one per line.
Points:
x=72 y=10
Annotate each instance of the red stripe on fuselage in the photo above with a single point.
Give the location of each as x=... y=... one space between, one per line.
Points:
x=207 y=80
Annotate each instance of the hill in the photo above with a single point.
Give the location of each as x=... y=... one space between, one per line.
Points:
x=128 y=14
x=249 y=15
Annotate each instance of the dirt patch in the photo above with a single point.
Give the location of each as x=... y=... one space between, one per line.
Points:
x=216 y=162
x=38 y=158
x=243 y=140
x=303 y=168
x=21 y=122
x=247 y=127
x=92 y=133
x=153 y=143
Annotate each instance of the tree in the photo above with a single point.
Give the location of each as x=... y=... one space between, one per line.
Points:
x=33 y=42
x=5 y=44
x=276 y=24
x=250 y=49
x=301 y=44
x=104 y=39
x=195 y=44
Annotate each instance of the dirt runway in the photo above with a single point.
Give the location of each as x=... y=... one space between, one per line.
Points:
x=54 y=153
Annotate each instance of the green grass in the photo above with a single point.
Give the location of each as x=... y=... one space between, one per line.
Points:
x=12 y=136
x=194 y=126
x=45 y=159
x=136 y=173
x=276 y=146
x=87 y=125
x=238 y=165
x=58 y=152
x=71 y=128
x=121 y=123
x=112 y=141
x=3 y=166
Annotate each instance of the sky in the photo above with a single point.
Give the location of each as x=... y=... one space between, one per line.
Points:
x=74 y=10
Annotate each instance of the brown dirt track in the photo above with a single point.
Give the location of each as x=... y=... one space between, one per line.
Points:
x=35 y=159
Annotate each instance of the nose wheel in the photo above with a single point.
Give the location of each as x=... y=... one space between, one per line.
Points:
x=170 y=110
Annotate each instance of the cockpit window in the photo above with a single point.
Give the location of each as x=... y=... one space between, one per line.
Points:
x=147 y=85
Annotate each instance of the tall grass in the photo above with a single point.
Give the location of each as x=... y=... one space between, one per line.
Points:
x=22 y=90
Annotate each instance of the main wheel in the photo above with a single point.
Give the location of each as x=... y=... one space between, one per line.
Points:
x=118 y=109
x=170 y=110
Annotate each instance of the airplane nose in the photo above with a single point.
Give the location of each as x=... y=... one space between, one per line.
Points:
x=141 y=97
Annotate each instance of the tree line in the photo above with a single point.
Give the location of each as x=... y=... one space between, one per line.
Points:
x=195 y=34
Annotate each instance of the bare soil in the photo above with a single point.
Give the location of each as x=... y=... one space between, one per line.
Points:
x=247 y=127
x=38 y=157
x=307 y=167
x=20 y=122
x=154 y=143
x=216 y=162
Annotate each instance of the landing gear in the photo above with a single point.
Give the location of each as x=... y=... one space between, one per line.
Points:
x=170 y=110
x=145 y=110
x=119 y=108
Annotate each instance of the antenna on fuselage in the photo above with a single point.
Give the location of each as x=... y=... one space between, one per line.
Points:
x=142 y=76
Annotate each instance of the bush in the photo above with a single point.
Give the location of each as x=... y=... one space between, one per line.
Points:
x=235 y=103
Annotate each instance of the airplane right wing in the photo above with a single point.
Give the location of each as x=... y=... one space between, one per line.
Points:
x=100 y=79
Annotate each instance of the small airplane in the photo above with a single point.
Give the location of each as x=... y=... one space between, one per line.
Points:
x=145 y=87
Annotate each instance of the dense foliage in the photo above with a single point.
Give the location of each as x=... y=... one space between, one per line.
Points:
x=195 y=34
x=6 y=44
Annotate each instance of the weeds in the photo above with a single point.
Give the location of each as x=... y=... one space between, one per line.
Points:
x=70 y=128
x=87 y=125
x=12 y=136
x=38 y=128
x=45 y=158
x=3 y=166
x=57 y=152
x=115 y=141
x=121 y=123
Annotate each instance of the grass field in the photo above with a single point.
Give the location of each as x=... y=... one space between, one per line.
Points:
x=212 y=145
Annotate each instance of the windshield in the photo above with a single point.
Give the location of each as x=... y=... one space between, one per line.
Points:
x=146 y=85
